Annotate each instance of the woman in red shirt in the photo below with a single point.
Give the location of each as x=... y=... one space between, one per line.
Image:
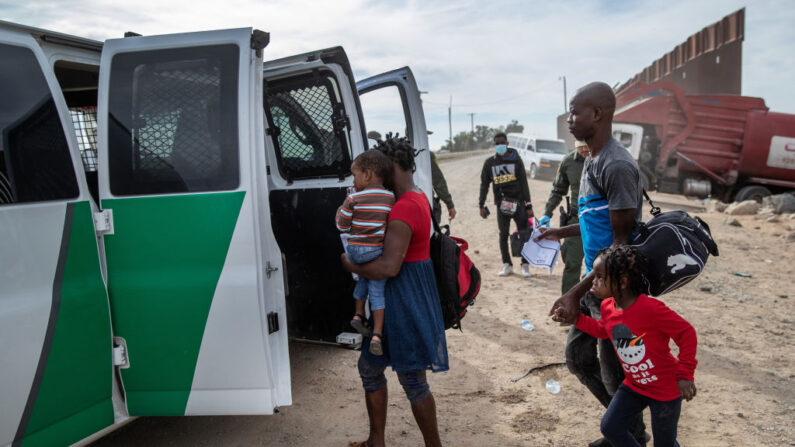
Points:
x=413 y=327
x=640 y=328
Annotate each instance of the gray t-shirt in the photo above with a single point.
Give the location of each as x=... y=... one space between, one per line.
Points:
x=610 y=181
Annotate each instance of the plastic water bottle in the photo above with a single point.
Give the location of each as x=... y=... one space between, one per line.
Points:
x=553 y=386
x=528 y=326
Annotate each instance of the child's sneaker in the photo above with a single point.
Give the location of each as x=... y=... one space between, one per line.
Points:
x=376 y=348
x=360 y=324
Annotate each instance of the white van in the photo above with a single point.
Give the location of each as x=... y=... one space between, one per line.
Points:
x=167 y=208
x=540 y=157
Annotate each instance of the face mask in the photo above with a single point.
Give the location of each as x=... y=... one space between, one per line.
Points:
x=501 y=149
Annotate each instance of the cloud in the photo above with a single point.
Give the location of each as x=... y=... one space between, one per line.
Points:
x=500 y=60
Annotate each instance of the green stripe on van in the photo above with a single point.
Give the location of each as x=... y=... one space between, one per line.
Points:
x=164 y=261
x=74 y=398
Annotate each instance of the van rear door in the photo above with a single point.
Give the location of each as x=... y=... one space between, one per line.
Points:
x=313 y=132
x=190 y=254
x=391 y=103
x=55 y=334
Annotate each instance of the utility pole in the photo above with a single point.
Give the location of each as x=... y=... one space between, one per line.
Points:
x=450 y=121
x=472 y=121
x=565 y=101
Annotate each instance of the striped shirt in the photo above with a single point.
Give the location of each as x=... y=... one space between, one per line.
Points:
x=364 y=214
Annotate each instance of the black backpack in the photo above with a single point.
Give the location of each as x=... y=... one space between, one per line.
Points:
x=457 y=278
x=676 y=246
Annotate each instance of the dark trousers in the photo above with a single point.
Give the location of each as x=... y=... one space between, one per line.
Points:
x=601 y=374
x=571 y=252
x=627 y=405
x=504 y=225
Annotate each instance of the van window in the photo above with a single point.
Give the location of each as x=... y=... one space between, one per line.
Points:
x=308 y=126
x=85 y=122
x=385 y=112
x=35 y=164
x=624 y=138
x=172 y=124
x=513 y=142
x=552 y=147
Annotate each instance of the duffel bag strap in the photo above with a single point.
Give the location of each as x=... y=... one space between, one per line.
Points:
x=655 y=210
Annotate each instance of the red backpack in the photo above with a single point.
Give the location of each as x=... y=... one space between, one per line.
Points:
x=457 y=278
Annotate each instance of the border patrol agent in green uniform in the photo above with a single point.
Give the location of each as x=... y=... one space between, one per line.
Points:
x=440 y=192
x=568 y=178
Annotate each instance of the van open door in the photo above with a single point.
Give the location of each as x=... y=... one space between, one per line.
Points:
x=313 y=132
x=55 y=334
x=194 y=273
x=391 y=103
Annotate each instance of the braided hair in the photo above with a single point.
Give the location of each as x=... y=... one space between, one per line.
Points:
x=626 y=260
x=400 y=150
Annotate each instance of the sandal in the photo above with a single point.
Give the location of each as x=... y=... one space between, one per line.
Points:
x=361 y=325
x=376 y=348
x=358 y=444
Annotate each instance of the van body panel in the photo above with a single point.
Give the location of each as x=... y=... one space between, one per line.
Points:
x=411 y=104
x=53 y=304
x=189 y=291
x=72 y=403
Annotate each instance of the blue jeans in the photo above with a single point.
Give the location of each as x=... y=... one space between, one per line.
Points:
x=625 y=408
x=359 y=254
x=414 y=383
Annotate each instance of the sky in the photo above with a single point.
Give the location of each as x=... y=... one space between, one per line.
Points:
x=501 y=60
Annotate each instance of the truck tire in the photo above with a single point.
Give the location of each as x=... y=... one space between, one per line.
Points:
x=533 y=170
x=751 y=192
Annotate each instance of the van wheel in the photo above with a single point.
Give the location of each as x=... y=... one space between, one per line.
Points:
x=752 y=192
x=533 y=170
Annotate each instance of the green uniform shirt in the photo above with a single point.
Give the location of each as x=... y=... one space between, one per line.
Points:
x=439 y=184
x=568 y=177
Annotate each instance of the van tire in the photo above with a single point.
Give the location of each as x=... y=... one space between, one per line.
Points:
x=751 y=192
x=533 y=170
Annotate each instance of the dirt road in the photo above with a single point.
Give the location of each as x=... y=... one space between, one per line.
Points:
x=746 y=392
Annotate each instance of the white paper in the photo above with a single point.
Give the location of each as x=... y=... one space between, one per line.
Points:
x=542 y=254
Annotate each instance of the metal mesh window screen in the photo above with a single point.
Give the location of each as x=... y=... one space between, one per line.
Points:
x=175 y=105
x=312 y=137
x=85 y=122
x=173 y=120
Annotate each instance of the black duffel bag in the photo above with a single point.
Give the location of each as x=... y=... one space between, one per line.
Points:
x=676 y=246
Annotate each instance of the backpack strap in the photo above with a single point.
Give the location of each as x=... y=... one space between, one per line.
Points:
x=444 y=229
x=655 y=210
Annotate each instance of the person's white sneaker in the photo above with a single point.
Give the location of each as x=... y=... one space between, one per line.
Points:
x=507 y=269
x=526 y=270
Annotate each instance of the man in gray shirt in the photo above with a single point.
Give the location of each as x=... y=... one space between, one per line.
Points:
x=609 y=206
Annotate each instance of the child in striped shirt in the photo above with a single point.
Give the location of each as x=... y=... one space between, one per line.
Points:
x=363 y=215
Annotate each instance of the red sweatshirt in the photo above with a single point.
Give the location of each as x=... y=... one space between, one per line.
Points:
x=640 y=336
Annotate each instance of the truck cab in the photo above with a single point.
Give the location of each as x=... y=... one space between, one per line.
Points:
x=168 y=204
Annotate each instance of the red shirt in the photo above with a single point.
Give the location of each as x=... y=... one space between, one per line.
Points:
x=640 y=336
x=412 y=208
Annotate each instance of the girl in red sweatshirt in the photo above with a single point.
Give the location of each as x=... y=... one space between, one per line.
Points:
x=640 y=328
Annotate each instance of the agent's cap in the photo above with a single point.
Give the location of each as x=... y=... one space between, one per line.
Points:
x=578 y=143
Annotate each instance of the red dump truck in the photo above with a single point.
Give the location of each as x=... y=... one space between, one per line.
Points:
x=725 y=146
